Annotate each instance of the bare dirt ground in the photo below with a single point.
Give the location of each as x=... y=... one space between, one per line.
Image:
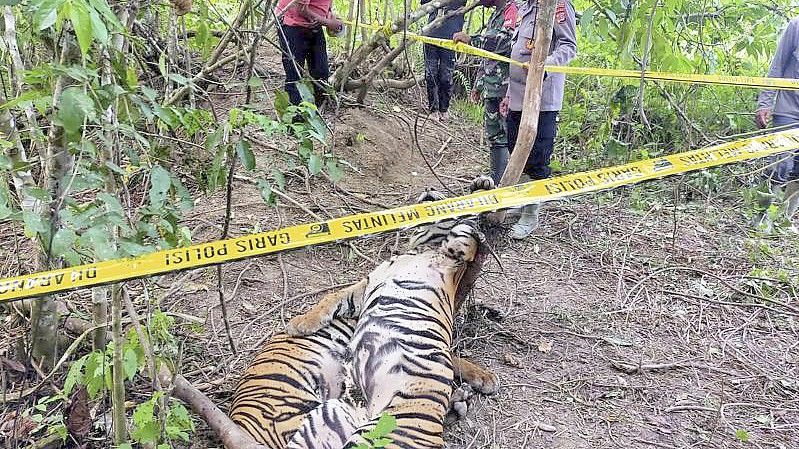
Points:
x=633 y=318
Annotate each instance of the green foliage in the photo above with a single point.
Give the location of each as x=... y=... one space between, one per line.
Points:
x=376 y=438
x=147 y=428
x=742 y=435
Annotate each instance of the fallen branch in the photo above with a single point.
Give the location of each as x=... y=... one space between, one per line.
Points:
x=232 y=436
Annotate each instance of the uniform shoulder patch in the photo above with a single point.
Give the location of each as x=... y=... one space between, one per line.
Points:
x=511 y=16
x=560 y=11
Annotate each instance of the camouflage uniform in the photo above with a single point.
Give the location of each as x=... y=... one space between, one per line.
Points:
x=492 y=82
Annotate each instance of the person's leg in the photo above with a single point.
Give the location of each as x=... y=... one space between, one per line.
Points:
x=784 y=168
x=537 y=167
x=783 y=162
x=318 y=66
x=293 y=47
x=445 y=69
x=512 y=122
x=792 y=189
x=497 y=136
x=431 y=76
x=538 y=162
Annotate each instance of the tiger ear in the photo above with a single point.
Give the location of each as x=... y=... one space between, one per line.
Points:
x=429 y=194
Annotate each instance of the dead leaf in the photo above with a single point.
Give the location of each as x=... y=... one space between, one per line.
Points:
x=510 y=360
x=545 y=346
x=249 y=308
x=18 y=426
x=13 y=365
x=78 y=419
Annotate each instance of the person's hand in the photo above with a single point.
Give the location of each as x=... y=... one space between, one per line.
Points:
x=334 y=25
x=474 y=96
x=504 y=106
x=462 y=37
x=762 y=117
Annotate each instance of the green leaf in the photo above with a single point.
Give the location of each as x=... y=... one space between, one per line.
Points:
x=282 y=103
x=315 y=164
x=5 y=205
x=306 y=92
x=102 y=7
x=255 y=82
x=38 y=193
x=74 y=374
x=45 y=13
x=384 y=426
x=162 y=65
x=34 y=223
x=130 y=363
x=245 y=154
x=97 y=238
x=159 y=186
x=74 y=108
x=133 y=249
x=742 y=435
x=334 y=170
x=63 y=241
x=99 y=30
x=5 y=162
x=266 y=191
x=82 y=24
x=280 y=178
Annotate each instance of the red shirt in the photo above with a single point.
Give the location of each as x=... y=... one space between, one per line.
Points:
x=292 y=16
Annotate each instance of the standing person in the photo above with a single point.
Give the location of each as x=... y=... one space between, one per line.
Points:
x=302 y=41
x=439 y=63
x=491 y=83
x=783 y=109
x=561 y=51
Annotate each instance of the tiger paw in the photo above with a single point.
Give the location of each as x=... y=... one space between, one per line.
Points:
x=458 y=404
x=303 y=325
x=484 y=381
x=481 y=183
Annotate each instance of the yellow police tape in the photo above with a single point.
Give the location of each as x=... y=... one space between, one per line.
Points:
x=725 y=80
x=336 y=229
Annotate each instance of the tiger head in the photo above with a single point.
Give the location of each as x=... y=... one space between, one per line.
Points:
x=462 y=242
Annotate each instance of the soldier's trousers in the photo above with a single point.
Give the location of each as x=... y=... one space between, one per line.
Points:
x=497 y=135
x=439 y=63
x=537 y=165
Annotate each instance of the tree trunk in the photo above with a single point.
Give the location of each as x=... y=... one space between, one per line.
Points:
x=56 y=165
x=528 y=129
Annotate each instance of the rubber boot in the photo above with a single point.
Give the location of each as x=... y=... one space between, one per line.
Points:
x=499 y=160
x=791 y=198
x=760 y=220
x=514 y=212
x=528 y=222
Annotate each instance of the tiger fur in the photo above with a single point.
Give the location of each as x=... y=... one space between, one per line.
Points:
x=288 y=397
x=291 y=378
x=402 y=362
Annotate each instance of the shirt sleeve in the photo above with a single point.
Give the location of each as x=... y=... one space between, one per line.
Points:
x=565 y=35
x=785 y=50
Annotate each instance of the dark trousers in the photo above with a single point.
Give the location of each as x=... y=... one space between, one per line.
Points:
x=438 y=66
x=301 y=46
x=787 y=167
x=537 y=165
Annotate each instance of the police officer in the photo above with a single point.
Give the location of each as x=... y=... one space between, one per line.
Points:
x=783 y=109
x=562 y=50
x=491 y=82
